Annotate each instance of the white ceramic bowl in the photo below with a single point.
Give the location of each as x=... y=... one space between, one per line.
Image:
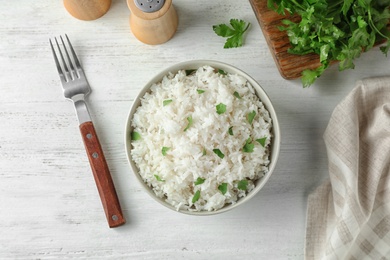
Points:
x=275 y=143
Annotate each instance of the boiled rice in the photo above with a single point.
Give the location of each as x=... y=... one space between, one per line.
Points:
x=191 y=153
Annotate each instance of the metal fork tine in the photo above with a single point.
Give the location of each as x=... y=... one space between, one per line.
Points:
x=56 y=60
x=72 y=76
x=70 y=62
x=67 y=74
x=76 y=60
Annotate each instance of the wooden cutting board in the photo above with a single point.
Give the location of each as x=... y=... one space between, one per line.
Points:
x=290 y=66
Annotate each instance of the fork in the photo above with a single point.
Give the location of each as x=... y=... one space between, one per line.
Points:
x=75 y=87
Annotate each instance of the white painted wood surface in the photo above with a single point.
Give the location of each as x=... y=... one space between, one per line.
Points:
x=49 y=205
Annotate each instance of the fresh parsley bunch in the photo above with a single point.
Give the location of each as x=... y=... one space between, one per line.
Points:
x=335 y=30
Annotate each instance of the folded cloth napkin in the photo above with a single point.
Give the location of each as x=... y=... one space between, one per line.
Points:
x=348 y=217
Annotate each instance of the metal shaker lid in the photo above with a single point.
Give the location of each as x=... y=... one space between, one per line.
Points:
x=149 y=6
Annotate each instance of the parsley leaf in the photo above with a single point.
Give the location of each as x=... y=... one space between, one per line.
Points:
x=219 y=153
x=248 y=146
x=164 y=150
x=242 y=185
x=222 y=72
x=223 y=30
x=223 y=188
x=262 y=141
x=189 y=119
x=158 y=178
x=230 y=131
x=135 y=136
x=167 y=102
x=251 y=116
x=234 y=33
x=237 y=95
x=200 y=91
x=199 y=181
x=309 y=76
x=221 y=108
x=196 y=196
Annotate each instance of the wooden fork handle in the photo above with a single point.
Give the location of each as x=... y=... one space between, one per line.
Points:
x=102 y=175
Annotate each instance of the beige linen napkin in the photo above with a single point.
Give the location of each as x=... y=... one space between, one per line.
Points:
x=348 y=217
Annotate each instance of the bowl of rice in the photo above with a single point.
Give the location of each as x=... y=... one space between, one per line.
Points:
x=202 y=137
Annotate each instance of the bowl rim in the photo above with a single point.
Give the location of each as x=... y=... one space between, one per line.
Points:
x=194 y=64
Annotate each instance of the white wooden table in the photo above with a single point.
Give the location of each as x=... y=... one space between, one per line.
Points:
x=49 y=205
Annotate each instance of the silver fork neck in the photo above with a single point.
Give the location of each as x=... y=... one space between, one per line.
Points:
x=81 y=108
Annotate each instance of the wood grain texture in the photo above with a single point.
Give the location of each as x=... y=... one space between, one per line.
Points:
x=87 y=9
x=102 y=175
x=290 y=66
